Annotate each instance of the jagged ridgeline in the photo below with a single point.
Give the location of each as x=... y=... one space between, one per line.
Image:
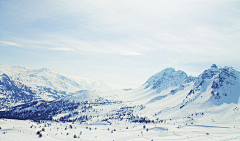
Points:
x=21 y=85
x=169 y=94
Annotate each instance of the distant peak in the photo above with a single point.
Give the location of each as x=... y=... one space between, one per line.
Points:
x=44 y=69
x=214 y=66
x=5 y=76
x=169 y=69
x=168 y=77
x=20 y=67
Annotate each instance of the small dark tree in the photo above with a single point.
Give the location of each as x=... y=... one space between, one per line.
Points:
x=38 y=132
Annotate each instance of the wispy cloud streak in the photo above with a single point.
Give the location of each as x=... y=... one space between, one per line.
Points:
x=61 y=49
x=11 y=43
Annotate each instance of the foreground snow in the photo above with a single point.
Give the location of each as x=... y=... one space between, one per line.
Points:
x=170 y=130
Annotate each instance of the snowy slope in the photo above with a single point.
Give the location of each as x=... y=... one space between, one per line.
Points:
x=12 y=94
x=216 y=88
x=168 y=95
x=19 y=82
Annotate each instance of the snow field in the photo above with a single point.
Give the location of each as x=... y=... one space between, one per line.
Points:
x=21 y=130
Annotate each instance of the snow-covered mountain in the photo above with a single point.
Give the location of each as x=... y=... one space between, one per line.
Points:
x=19 y=82
x=168 y=94
x=168 y=78
x=216 y=86
x=12 y=94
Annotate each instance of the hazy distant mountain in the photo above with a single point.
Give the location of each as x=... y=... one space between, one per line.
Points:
x=20 y=84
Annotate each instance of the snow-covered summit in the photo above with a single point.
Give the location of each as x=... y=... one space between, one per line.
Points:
x=215 y=86
x=209 y=73
x=166 y=78
x=21 y=67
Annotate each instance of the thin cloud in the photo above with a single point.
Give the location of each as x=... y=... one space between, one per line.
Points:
x=130 y=53
x=10 y=43
x=61 y=49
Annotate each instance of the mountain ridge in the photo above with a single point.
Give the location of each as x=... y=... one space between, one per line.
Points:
x=166 y=78
x=175 y=96
x=39 y=84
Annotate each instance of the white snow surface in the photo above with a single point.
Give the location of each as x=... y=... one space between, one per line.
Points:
x=171 y=130
x=202 y=108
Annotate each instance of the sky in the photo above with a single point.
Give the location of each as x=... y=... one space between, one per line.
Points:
x=121 y=42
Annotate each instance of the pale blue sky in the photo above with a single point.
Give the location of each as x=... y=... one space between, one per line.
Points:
x=120 y=42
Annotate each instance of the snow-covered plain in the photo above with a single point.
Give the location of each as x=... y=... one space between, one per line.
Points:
x=170 y=130
x=169 y=106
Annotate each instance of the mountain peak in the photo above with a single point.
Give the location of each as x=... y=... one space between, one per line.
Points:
x=20 y=67
x=217 y=85
x=44 y=69
x=214 y=66
x=4 y=76
x=166 y=78
x=209 y=73
x=170 y=69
